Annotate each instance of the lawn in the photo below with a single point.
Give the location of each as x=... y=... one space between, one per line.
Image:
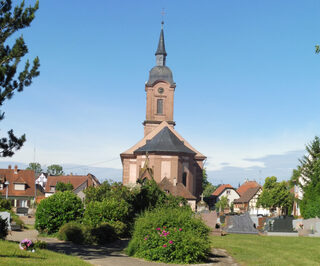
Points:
x=10 y=254
x=270 y=250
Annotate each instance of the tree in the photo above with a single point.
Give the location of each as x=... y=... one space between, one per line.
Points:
x=36 y=167
x=317 y=49
x=307 y=177
x=276 y=195
x=60 y=186
x=222 y=204
x=207 y=187
x=11 y=21
x=55 y=169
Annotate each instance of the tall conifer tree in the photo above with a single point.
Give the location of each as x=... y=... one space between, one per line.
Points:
x=13 y=19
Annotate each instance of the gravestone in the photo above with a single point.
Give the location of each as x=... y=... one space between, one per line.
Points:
x=241 y=224
x=6 y=215
x=279 y=224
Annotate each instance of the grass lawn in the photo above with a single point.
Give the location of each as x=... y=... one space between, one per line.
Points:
x=10 y=254
x=270 y=250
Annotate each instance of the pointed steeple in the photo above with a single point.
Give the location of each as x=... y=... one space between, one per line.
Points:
x=161 y=51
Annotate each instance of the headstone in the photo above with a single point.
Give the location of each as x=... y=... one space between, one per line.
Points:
x=6 y=215
x=241 y=224
x=279 y=224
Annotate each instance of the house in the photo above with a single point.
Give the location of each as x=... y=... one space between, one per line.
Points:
x=18 y=186
x=225 y=190
x=248 y=202
x=42 y=179
x=79 y=182
x=246 y=185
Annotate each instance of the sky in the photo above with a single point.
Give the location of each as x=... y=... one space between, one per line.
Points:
x=247 y=78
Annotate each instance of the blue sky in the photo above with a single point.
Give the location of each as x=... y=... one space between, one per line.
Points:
x=246 y=72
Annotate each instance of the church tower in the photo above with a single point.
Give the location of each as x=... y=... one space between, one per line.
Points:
x=160 y=91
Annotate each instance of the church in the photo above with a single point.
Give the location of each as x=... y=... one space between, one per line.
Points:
x=163 y=154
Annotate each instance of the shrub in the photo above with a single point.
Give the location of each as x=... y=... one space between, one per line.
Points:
x=72 y=231
x=3 y=228
x=171 y=235
x=108 y=210
x=103 y=234
x=56 y=210
x=40 y=244
x=120 y=228
x=5 y=205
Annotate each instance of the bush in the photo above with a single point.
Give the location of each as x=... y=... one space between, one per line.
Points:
x=120 y=228
x=170 y=235
x=103 y=234
x=109 y=210
x=3 y=228
x=72 y=231
x=5 y=205
x=57 y=210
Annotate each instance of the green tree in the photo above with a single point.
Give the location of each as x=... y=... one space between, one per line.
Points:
x=317 y=49
x=276 y=195
x=307 y=177
x=13 y=19
x=60 y=186
x=36 y=167
x=223 y=203
x=207 y=187
x=55 y=169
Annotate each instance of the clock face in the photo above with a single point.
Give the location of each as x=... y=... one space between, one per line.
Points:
x=160 y=90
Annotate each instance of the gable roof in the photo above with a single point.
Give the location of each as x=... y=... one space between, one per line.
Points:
x=220 y=189
x=75 y=180
x=178 y=190
x=246 y=185
x=248 y=195
x=142 y=142
x=164 y=141
x=18 y=176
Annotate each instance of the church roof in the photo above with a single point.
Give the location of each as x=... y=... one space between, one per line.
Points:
x=160 y=73
x=165 y=141
x=161 y=46
x=178 y=190
x=154 y=132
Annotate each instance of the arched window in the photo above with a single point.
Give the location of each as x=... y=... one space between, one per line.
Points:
x=160 y=106
x=184 y=179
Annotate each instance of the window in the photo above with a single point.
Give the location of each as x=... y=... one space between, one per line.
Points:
x=52 y=188
x=228 y=192
x=19 y=186
x=160 y=106
x=184 y=179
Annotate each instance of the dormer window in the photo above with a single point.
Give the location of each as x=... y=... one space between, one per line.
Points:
x=19 y=186
x=52 y=188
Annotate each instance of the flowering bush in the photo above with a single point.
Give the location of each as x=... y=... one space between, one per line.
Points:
x=170 y=235
x=26 y=244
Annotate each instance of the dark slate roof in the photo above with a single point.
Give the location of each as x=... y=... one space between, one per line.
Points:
x=161 y=47
x=160 y=73
x=165 y=141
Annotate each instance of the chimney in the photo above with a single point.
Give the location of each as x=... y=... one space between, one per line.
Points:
x=16 y=169
x=9 y=167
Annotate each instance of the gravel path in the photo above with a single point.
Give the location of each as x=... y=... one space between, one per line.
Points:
x=109 y=255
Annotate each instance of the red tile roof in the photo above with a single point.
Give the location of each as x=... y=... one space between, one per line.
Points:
x=248 y=195
x=245 y=186
x=220 y=189
x=75 y=180
x=18 y=176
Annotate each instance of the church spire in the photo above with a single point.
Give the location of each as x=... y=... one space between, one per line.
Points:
x=161 y=51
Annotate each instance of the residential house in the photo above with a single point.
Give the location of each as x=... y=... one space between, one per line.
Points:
x=246 y=185
x=248 y=202
x=225 y=190
x=79 y=182
x=18 y=186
